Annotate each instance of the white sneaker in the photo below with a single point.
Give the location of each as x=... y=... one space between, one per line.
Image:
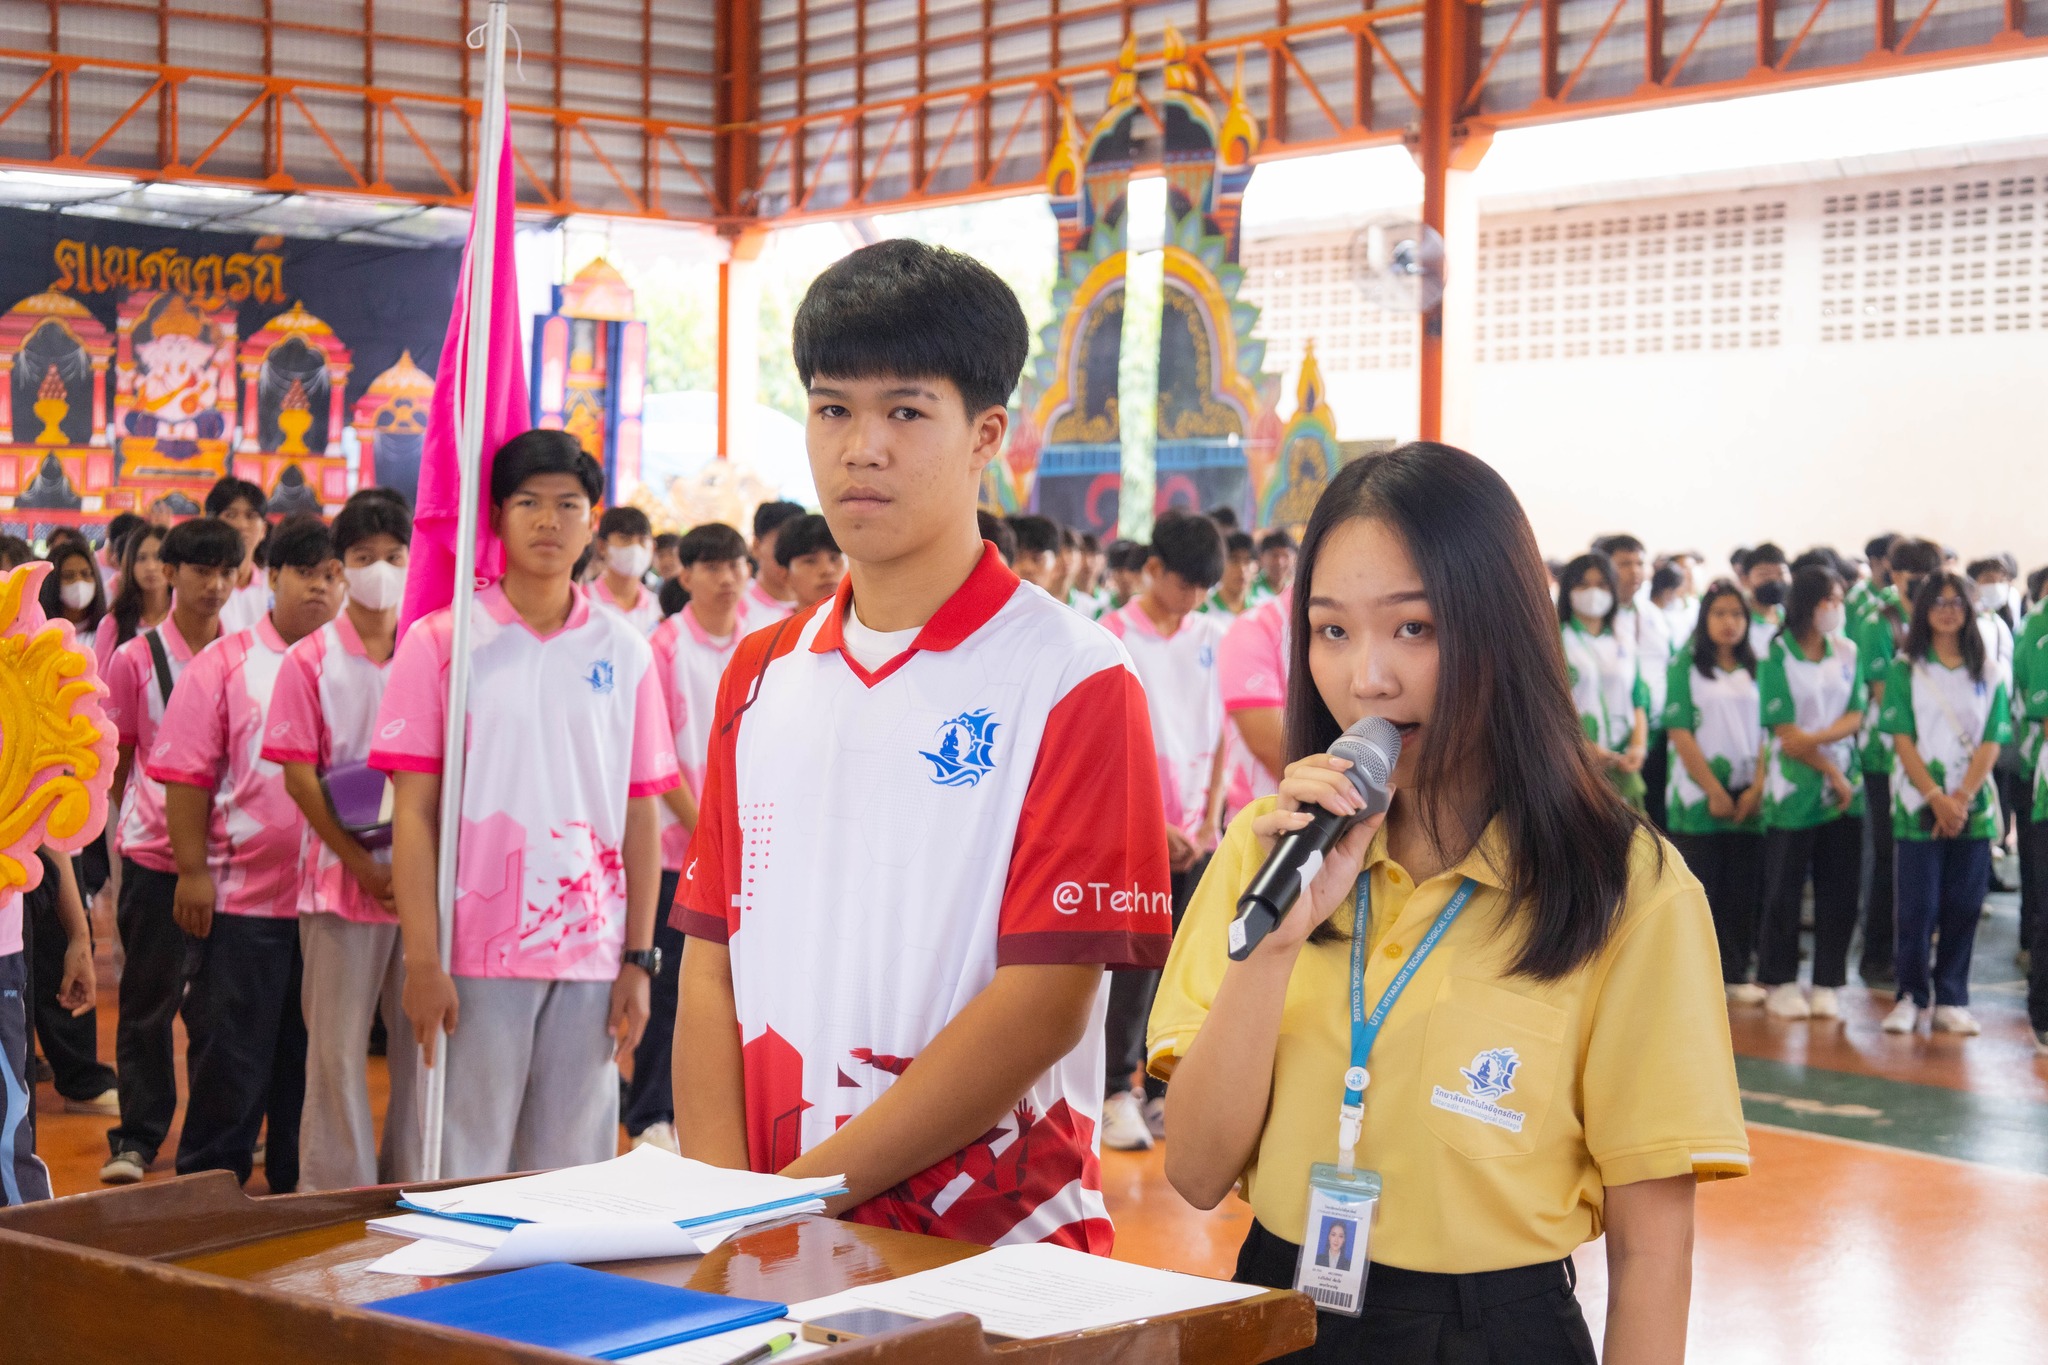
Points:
x=1123 y=1124
x=1155 y=1118
x=1956 y=1019
x=1903 y=1017
x=107 y=1104
x=1787 y=1002
x=1747 y=993
x=1824 y=1005
x=123 y=1168
x=662 y=1135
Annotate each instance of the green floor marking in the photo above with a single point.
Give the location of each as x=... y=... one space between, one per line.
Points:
x=1991 y=1130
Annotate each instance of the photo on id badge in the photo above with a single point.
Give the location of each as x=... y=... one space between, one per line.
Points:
x=1335 y=1245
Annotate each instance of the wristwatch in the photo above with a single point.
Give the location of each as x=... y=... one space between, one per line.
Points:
x=647 y=960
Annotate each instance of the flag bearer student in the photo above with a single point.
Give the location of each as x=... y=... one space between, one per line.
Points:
x=200 y=559
x=628 y=548
x=932 y=814
x=240 y=846
x=559 y=861
x=769 y=597
x=323 y=715
x=239 y=503
x=691 y=650
x=1173 y=646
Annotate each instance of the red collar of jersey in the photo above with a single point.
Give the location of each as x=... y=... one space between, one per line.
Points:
x=973 y=604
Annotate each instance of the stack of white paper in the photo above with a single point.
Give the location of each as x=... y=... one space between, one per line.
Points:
x=646 y=1203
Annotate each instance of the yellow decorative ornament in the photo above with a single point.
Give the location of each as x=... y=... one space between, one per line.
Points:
x=56 y=745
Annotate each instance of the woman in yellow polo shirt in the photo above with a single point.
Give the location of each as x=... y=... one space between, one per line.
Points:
x=1555 y=1062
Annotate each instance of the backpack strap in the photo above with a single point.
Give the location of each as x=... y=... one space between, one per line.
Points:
x=162 y=661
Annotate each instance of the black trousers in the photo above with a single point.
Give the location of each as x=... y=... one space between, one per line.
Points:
x=2030 y=891
x=1656 y=780
x=71 y=1046
x=2034 y=871
x=1832 y=853
x=1529 y=1315
x=1878 y=904
x=1130 y=1002
x=651 y=1096
x=247 y=1061
x=159 y=964
x=1731 y=868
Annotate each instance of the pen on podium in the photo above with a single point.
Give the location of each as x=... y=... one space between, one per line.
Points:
x=773 y=1346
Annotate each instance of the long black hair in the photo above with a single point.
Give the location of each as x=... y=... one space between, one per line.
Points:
x=1503 y=711
x=1706 y=655
x=1920 y=634
x=52 y=595
x=130 y=601
x=1811 y=586
x=1568 y=581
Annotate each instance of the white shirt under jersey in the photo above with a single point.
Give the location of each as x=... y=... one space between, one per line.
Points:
x=246 y=605
x=1185 y=694
x=690 y=660
x=645 y=613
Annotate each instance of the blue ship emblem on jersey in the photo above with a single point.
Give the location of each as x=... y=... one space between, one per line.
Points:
x=965 y=751
x=600 y=677
x=1492 y=1073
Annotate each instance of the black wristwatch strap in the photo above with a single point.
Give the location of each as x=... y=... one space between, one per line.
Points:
x=646 y=959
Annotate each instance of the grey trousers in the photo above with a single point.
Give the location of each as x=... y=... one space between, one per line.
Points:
x=354 y=972
x=531 y=1082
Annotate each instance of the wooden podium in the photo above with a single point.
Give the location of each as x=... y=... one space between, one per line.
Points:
x=193 y=1270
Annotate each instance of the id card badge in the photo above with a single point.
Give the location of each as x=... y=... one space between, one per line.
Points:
x=1336 y=1245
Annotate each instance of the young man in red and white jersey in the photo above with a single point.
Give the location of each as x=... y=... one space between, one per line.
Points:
x=769 y=598
x=691 y=650
x=240 y=845
x=201 y=558
x=932 y=815
x=1173 y=646
x=323 y=716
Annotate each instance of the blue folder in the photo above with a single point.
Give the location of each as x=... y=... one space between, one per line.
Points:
x=581 y=1311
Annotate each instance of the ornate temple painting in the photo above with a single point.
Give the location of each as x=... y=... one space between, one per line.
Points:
x=590 y=360
x=1308 y=455
x=391 y=426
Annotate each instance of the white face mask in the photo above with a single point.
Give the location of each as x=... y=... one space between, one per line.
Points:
x=1990 y=596
x=376 y=587
x=1592 y=603
x=77 y=596
x=629 y=560
x=1828 y=619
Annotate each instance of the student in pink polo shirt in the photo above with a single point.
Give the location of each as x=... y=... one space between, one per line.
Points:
x=323 y=716
x=627 y=549
x=1173 y=647
x=200 y=559
x=559 y=859
x=769 y=597
x=691 y=650
x=1252 y=667
x=239 y=503
x=240 y=842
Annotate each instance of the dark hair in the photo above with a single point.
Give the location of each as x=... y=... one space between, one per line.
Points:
x=713 y=542
x=1920 y=634
x=1705 y=653
x=1189 y=547
x=773 y=516
x=1070 y=539
x=806 y=535
x=1992 y=565
x=1275 y=540
x=2037 y=582
x=997 y=532
x=361 y=518
x=1879 y=546
x=1914 y=557
x=1621 y=544
x=120 y=528
x=1766 y=553
x=1090 y=544
x=226 y=492
x=14 y=552
x=1503 y=710
x=669 y=540
x=540 y=451
x=1036 y=535
x=1239 y=543
x=673 y=596
x=1126 y=556
x=624 y=521
x=1811 y=586
x=1665 y=579
x=1568 y=580
x=910 y=311
x=300 y=542
x=1225 y=517
x=52 y=593
x=204 y=542
x=126 y=610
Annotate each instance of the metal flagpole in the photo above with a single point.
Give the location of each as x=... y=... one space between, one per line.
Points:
x=469 y=458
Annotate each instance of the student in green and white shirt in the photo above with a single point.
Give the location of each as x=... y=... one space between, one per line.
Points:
x=1812 y=700
x=2030 y=685
x=1714 y=802
x=1237 y=591
x=1607 y=687
x=1948 y=710
x=1764 y=578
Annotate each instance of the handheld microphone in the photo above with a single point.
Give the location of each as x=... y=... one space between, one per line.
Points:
x=1373 y=746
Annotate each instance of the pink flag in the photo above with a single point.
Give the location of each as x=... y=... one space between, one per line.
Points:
x=430 y=581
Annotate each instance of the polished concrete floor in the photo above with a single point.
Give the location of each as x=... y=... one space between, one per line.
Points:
x=1898 y=1211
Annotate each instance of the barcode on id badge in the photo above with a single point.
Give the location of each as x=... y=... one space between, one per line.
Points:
x=1332 y=1299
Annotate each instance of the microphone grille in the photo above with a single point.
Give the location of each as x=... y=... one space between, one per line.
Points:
x=1374 y=747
